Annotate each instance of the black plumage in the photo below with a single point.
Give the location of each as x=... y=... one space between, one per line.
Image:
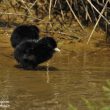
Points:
x=30 y=53
x=24 y=32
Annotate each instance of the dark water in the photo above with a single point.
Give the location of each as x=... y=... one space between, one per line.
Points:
x=65 y=80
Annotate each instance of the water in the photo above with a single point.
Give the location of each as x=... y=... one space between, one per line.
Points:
x=64 y=80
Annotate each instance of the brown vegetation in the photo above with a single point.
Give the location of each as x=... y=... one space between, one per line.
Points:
x=56 y=16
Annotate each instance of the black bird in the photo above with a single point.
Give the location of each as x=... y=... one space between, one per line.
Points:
x=30 y=53
x=24 y=32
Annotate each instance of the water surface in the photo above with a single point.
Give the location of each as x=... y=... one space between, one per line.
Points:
x=66 y=79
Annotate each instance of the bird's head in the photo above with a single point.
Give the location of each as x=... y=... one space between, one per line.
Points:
x=51 y=44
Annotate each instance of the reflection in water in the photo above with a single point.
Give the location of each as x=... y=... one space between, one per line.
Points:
x=63 y=80
x=39 y=68
x=4 y=91
x=48 y=77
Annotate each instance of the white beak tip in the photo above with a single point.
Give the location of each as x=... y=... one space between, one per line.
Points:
x=57 y=49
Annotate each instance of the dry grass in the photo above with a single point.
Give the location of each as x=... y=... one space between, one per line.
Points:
x=64 y=11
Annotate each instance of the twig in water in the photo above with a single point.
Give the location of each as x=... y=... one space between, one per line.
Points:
x=47 y=73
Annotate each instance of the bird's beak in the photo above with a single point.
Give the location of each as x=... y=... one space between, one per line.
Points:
x=57 y=50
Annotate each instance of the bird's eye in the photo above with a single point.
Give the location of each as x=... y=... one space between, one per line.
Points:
x=49 y=46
